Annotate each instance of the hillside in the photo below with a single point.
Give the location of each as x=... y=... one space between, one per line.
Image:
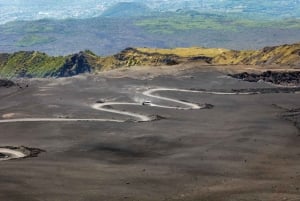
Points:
x=280 y=55
x=37 y=64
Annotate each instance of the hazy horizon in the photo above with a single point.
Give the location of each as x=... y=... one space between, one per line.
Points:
x=11 y=10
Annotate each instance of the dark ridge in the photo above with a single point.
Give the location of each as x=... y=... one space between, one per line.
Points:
x=267 y=90
x=255 y=90
x=202 y=58
x=270 y=76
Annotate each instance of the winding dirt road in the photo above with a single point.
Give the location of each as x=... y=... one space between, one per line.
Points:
x=137 y=117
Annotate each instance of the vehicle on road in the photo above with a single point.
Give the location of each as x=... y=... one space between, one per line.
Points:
x=147 y=103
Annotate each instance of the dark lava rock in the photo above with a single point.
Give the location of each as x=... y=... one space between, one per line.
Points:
x=100 y=101
x=267 y=90
x=170 y=61
x=202 y=58
x=270 y=76
x=3 y=155
x=6 y=83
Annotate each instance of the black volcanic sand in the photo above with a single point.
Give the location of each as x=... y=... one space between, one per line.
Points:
x=241 y=149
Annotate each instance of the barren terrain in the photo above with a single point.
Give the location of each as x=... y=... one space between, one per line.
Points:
x=244 y=147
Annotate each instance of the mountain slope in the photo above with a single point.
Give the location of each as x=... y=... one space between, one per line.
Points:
x=37 y=64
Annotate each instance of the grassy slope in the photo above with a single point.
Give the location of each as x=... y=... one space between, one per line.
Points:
x=35 y=64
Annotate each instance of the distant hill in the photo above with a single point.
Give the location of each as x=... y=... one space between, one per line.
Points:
x=110 y=35
x=127 y=9
x=37 y=64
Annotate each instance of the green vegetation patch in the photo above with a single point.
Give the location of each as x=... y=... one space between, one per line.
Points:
x=31 y=64
x=31 y=40
x=173 y=23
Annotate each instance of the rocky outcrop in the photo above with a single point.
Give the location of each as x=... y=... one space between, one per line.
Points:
x=74 y=65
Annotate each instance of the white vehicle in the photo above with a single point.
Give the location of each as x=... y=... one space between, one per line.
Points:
x=146 y=103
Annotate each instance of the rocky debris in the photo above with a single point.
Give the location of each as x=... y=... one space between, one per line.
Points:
x=284 y=78
x=6 y=83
